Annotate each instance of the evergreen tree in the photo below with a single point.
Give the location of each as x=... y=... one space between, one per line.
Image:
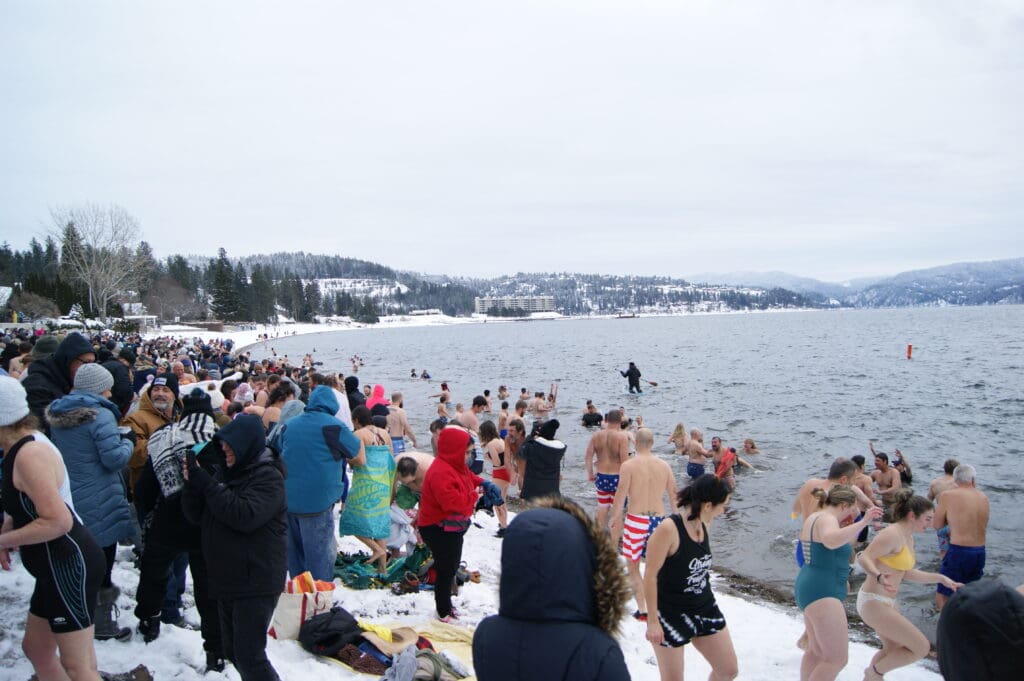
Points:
x=311 y=301
x=221 y=276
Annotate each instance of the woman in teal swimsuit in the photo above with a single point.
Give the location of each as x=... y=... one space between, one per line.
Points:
x=821 y=585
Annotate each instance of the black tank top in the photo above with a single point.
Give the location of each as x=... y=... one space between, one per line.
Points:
x=39 y=557
x=684 y=581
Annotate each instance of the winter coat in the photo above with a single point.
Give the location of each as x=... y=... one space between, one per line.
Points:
x=84 y=428
x=552 y=622
x=158 y=490
x=145 y=421
x=543 y=466
x=314 y=448
x=121 y=393
x=242 y=513
x=50 y=378
x=449 y=487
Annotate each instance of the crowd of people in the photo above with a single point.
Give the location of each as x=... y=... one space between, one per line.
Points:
x=207 y=460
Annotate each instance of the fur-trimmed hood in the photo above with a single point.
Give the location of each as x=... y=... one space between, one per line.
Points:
x=78 y=409
x=557 y=564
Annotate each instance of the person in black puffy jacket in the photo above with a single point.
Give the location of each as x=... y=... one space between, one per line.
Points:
x=242 y=513
x=552 y=558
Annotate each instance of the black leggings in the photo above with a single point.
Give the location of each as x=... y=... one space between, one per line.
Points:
x=446 y=548
x=110 y=553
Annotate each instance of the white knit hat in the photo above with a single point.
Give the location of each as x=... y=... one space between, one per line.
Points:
x=93 y=378
x=13 y=401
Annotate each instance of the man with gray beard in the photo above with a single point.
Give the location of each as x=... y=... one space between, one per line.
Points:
x=158 y=406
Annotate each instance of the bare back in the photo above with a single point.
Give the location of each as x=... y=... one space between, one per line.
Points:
x=647 y=479
x=611 y=451
x=940 y=485
x=967 y=511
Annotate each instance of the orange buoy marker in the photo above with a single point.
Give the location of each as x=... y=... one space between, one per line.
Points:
x=910 y=351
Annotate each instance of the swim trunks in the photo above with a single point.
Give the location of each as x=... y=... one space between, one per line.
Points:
x=962 y=564
x=680 y=627
x=397 y=445
x=636 y=531
x=694 y=470
x=606 y=485
x=942 y=536
x=501 y=474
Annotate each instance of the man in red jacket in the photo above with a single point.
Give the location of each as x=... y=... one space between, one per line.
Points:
x=446 y=504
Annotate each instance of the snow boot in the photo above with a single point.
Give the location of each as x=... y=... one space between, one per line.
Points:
x=105 y=616
x=149 y=627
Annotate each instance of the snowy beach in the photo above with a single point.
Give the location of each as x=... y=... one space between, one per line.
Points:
x=764 y=634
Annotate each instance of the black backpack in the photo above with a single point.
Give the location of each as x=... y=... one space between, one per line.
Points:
x=327 y=633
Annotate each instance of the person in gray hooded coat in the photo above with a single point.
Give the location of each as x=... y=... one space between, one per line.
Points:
x=83 y=426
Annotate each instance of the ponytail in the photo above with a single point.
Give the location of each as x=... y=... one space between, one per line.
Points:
x=706 y=488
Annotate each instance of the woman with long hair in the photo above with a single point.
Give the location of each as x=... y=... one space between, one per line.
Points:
x=679 y=438
x=494 y=452
x=677 y=585
x=889 y=561
x=821 y=584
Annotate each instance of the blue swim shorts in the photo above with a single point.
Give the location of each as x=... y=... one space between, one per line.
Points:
x=962 y=564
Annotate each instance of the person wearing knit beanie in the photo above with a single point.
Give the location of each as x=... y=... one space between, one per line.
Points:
x=13 y=401
x=197 y=402
x=93 y=378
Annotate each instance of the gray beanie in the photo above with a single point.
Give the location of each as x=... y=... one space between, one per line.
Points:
x=13 y=401
x=93 y=378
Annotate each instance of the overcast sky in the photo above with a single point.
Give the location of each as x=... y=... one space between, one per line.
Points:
x=826 y=139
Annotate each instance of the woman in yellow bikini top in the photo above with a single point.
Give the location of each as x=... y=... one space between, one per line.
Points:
x=889 y=561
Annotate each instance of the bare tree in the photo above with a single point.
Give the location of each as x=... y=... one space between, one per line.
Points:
x=168 y=300
x=100 y=249
x=33 y=305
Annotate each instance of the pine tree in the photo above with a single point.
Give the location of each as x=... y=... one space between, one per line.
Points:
x=222 y=287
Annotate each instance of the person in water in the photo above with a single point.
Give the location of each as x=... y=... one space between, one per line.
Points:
x=632 y=376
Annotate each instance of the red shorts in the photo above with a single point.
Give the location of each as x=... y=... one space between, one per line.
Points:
x=501 y=474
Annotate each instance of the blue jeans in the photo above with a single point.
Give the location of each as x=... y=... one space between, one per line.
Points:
x=170 y=611
x=311 y=544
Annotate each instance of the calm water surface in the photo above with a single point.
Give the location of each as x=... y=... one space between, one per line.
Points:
x=807 y=386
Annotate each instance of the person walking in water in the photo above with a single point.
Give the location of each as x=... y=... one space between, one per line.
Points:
x=965 y=511
x=632 y=374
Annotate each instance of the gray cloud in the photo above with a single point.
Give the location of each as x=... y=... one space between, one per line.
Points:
x=827 y=140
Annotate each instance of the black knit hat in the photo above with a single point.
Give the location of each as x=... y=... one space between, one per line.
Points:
x=197 y=402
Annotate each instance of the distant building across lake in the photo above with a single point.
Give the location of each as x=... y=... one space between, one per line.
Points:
x=525 y=303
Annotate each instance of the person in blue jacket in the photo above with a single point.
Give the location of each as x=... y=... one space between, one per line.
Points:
x=553 y=557
x=315 y=447
x=83 y=426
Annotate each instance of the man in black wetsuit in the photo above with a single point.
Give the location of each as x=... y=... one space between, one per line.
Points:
x=632 y=374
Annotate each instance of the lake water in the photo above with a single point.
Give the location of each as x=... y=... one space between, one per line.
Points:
x=806 y=386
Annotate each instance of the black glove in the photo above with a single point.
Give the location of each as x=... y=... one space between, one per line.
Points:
x=131 y=436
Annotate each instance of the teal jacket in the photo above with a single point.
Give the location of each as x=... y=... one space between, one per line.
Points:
x=315 y=446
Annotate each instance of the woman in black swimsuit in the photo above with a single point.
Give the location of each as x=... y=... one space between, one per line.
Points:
x=678 y=580
x=55 y=547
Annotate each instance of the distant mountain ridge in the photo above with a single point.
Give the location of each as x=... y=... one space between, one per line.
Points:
x=966 y=283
